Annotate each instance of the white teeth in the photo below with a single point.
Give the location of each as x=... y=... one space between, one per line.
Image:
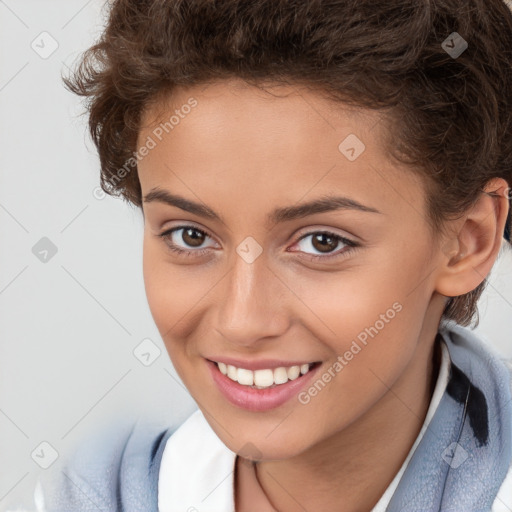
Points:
x=232 y=372
x=293 y=372
x=245 y=377
x=280 y=375
x=261 y=379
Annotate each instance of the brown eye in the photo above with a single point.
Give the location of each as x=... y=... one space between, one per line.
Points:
x=193 y=237
x=186 y=240
x=324 y=242
x=324 y=245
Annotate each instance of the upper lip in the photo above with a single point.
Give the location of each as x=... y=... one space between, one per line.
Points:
x=258 y=365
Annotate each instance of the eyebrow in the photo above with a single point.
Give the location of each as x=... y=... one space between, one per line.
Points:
x=283 y=214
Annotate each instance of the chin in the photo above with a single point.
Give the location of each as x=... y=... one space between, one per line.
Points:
x=261 y=447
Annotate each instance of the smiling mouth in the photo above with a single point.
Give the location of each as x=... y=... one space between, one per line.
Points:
x=264 y=378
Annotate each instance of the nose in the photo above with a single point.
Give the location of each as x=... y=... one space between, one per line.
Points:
x=251 y=303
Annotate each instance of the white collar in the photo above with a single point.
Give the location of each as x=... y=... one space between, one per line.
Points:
x=197 y=468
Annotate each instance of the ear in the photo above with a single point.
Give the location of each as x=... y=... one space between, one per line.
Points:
x=469 y=254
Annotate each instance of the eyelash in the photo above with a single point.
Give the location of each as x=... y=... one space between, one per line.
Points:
x=351 y=245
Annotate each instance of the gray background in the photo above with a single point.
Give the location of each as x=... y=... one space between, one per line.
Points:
x=70 y=323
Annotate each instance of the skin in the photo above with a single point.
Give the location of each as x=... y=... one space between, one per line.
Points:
x=243 y=152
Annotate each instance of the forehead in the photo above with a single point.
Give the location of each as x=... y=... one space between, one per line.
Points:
x=286 y=141
x=296 y=110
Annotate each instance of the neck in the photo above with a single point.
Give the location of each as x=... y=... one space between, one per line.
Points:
x=351 y=470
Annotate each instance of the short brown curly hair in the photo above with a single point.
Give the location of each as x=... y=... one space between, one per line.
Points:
x=450 y=116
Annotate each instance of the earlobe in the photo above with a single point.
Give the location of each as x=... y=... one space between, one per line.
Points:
x=476 y=242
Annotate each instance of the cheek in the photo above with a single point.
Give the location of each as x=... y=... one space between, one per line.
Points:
x=175 y=295
x=373 y=317
x=343 y=305
x=155 y=280
x=167 y=294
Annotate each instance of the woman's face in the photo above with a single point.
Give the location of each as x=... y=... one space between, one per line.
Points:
x=261 y=285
